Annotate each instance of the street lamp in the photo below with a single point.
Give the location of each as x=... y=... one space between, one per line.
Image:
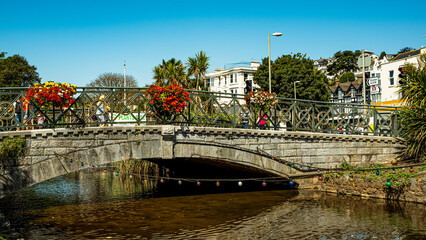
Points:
x=363 y=74
x=295 y=89
x=277 y=34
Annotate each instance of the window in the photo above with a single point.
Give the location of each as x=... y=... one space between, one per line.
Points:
x=353 y=92
x=225 y=80
x=391 y=79
x=245 y=76
x=212 y=82
x=231 y=78
x=340 y=94
x=220 y=80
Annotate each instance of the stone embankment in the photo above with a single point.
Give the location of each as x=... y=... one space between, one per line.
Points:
x=371 y=187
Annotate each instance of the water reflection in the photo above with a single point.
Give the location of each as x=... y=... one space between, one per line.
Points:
x=98 y=205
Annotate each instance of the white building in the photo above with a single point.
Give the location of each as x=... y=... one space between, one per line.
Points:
x=231 y=78
x=373 y=68
x=390 y=79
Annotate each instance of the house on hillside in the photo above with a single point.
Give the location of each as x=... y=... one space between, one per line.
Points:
x=231 y=79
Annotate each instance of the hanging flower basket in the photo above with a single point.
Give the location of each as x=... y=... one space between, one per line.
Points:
x=260 y=101
x=51 y=94
x=167 y=103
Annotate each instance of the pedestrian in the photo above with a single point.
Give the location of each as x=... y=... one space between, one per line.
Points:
x=28 y=119
x=100 y=110
x=262 y=122
x=40 y=121
x=17 y=105
x=244 y=117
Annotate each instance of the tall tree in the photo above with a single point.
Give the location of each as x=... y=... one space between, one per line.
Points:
x=288 y=69
x=345 y=61
x=347 y=77
x=413 y=117
x=16 y=72
x=197 y=67
x=382 y=55
x=170 y=72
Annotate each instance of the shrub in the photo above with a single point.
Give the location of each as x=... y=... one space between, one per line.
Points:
x=12 y=148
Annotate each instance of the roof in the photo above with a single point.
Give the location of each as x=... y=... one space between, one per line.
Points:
x=346 y=86
x=407 y=54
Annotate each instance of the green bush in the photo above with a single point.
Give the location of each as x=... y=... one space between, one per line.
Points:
x=12 y=148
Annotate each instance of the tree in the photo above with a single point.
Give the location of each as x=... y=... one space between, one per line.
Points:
x=113 y=80
x=406 y=49
x=344 y=62
x=16 y=72
x=413 y=117
x=170 y=72
x=347 y=77
x=290 y=68
x=382 y=55
x=198 y=67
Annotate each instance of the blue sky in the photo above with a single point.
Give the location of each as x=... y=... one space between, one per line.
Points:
x=75 y=41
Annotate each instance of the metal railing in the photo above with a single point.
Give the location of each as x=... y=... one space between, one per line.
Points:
x=204 y=109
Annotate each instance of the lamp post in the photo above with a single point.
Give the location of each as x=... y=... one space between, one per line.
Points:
x=124 y=83
x=277 y=34
x=363 y=74
x=295 y=88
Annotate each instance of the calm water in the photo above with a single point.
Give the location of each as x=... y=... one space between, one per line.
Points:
x=97 y=205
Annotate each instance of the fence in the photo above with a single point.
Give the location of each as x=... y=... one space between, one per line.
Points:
x=131 y=106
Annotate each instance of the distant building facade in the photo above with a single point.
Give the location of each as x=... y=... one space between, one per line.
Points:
x=231 y=78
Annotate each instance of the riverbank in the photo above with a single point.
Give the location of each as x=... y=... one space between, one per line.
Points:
x=405 y=184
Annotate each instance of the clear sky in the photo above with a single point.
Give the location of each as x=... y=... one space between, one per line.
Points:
x=75 y=41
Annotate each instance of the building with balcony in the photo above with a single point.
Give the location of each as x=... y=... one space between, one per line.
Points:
x=231 y=78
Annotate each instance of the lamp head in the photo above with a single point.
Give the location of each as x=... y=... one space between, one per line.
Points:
x=277 y=34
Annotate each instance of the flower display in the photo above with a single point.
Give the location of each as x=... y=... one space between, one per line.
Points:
x=51 y=93
x=167 y=103
x=261 y=101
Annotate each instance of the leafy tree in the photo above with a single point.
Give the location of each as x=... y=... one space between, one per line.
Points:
x=198 y=67
x=382 y=55
x=170 y=72
x=347 y=77
x=16 y=72
x=290 y=68
x=345 y=61
x=406 y=49
x=413 y=117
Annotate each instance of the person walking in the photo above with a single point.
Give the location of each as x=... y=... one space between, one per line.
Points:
x=17 y=105
x=100 y=110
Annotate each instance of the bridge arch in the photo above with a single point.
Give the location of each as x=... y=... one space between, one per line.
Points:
x=219 y=146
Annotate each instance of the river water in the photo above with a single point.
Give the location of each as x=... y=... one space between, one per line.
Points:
x=98 y=205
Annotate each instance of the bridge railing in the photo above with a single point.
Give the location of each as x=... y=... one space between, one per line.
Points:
x=131 y=106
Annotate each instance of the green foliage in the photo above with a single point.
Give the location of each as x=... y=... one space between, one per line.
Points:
x=345 y=61
x=12 y=148
x=16 y=72
x=345 y=165
x=288 y=69
x=382 y=55
x=400 y=179
x=347 y=77
x=413 y=117
x=198 y=67
x=406 y=49
x=171 y=71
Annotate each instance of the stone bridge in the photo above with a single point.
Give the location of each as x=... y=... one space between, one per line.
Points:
x=243 y=149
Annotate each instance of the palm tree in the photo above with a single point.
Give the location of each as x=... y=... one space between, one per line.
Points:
x=413 y=117
x=171 y=71
x=198 y=67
